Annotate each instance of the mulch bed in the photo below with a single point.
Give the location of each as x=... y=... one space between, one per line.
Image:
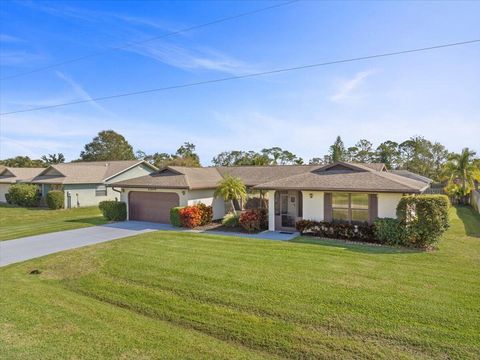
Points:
x=217 y=226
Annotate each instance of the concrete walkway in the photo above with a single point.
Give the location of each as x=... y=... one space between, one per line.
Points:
x=13 y=251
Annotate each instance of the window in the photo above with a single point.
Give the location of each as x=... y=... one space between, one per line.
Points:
x=350 y=207
x=101 y=190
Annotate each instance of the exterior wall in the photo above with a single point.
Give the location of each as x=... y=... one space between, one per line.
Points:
x=206 y=197
x=3 y=190
x=313 y=207
x=271 y=210
x=387 y=205
x=85 y=195
x=137 y=171
x=475 y=201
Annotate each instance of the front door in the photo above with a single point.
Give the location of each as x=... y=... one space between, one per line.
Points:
x=288 y=209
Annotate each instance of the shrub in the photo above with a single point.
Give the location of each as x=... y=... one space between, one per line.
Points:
x=26 y=195
x=206 y=213
x=231 y=220
x=8 y=199
x=55 y=199
x=113 y=210
x=389 y=231
x=334 y=230
x=190 y=216
x=424 y=217
x=254 y=219
x=256 y=203
x=175 y=216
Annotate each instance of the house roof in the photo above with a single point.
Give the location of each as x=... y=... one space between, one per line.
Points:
x=343 y=176
x=11 y=175
x=411 y=175
x=85 y=172
x=335 y=177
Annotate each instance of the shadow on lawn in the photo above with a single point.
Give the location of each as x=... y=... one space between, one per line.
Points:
x=365 y=248
x=470 y=219
x=94 y=220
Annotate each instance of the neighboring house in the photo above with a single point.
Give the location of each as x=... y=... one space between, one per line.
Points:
x=411 y=175
x=340 y=191
x=85 y=182
x=12 y=175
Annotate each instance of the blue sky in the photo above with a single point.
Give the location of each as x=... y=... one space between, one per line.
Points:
x=435 y=94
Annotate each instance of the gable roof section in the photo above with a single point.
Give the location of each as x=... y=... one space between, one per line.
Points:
x=411 y=175
x=347 y=177
x=11 y=175
x=88 y=172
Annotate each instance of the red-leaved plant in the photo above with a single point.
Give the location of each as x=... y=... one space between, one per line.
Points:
x=190 y=216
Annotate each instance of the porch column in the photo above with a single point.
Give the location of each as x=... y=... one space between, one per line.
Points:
x=271 y=210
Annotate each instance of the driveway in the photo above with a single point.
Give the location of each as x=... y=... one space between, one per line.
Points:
x=12 y=251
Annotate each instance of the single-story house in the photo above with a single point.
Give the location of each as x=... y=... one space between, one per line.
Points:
x=85 y=182
x=339 y=191
x=14 y=175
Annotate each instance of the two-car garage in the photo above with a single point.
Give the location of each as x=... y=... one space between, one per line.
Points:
x=151 y=206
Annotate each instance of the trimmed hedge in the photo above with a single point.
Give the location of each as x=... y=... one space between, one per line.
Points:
x=26 y=195
x=231 y=220
x=55 y=199
x=390 y=231
x=113 y=210
x=190 y=216
x=424 y=217
x=334 y=230
x=254 y=219
x=175 y=216
x=8 y=199
x=206 y=213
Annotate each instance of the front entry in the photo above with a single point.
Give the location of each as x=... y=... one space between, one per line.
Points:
x=151 y=206
x=288 y=209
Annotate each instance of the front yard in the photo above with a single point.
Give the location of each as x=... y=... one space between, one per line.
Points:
x=16 y=222
x=184 y=295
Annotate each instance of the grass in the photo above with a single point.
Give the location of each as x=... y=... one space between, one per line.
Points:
x=16 y=222
x=184 y=295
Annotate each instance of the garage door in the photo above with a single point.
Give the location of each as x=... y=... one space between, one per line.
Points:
x=150 y=206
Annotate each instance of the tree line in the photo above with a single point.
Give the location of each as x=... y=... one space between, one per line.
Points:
x=415 y=154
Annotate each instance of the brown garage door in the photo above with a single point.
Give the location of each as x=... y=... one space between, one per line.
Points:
x=151 y=206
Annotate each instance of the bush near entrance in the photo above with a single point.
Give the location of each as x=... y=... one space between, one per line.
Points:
x=25 y=195
x=254 y=219
x=334 y=230
x=113 y=210
x=55 y=199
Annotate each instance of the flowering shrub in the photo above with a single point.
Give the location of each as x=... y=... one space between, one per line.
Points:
x=190 y=216
x=362 y=232
x=254 y=219
x=206 y=213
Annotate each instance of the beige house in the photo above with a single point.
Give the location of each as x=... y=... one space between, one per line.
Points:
x=13 y=175
x=340 y=191
x=84 y=183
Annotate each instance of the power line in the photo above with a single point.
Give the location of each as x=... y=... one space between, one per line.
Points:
x=127 y=45
x=270 y=72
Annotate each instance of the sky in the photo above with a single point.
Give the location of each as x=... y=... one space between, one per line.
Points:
x=435 y=94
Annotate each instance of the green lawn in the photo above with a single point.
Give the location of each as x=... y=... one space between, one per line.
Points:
x=16 y=222
x=183 y=295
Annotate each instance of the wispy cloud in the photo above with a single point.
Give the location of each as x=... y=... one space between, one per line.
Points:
x=19 y=57
x=347 y=88
x=9 y=39
x=192 y=59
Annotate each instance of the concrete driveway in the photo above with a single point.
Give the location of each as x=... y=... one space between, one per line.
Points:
x=13 y=251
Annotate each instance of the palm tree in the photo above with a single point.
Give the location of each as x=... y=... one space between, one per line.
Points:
x=230 y=189
x=462 y=169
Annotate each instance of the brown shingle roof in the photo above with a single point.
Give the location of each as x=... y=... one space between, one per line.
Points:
x=12 y=174
x=91 y=172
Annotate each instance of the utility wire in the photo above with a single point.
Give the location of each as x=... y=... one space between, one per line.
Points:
x=127 y=45
x=281 y=70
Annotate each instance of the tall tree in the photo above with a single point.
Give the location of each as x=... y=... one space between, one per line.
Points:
x=22 y=161
x=108 y=146
x=388 y=153
x=337 y=151
x=52 y=159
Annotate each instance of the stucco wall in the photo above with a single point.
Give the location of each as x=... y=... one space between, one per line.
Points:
x=86 y=195
x=3 y=190
x=271 y=210
x=313 y=207
x=206 y=197
x=476 y=200
x=387 y=205
x=137 y=171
